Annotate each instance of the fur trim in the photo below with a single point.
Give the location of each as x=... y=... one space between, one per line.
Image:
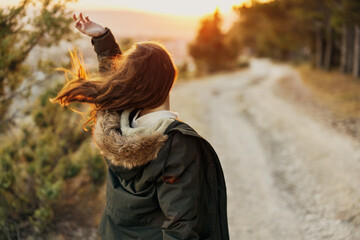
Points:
x=125 y=146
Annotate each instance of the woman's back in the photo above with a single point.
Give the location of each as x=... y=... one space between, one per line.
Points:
x=173 y=196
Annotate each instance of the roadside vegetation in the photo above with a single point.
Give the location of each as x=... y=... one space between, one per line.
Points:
x=332 y=97
x=338 y=91
x=338 y=94
x=47 y=165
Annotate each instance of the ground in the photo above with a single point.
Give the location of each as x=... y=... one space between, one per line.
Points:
x=288 y=174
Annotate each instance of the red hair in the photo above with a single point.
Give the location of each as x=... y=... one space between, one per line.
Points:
x=141 y=78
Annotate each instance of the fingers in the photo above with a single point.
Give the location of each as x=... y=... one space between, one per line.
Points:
x=81 y=22
x=81 y=17
x=77 y=21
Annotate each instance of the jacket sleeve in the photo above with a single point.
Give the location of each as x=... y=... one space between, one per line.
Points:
x=178 y=191
x=106 y=49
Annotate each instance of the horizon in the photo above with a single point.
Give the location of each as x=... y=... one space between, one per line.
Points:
x=187 y=8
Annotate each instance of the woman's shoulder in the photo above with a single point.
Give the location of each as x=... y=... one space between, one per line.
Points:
x=184 y=133
x=182 y=127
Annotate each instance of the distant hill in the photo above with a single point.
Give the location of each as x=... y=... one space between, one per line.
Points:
x=143 y=25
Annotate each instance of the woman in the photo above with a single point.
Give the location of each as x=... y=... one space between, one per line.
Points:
x=164 y=180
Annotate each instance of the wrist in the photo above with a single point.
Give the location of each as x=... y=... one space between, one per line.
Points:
x=101 y=33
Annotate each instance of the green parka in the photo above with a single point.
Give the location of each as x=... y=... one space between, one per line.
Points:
x=166 y=184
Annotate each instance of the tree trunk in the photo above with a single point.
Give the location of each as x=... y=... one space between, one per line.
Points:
x=356 y=68
x=347 y=49
x=328 y=48
x=343 y=49
x=319 y=48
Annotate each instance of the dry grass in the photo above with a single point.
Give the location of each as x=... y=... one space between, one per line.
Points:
x=332 y=97
x=340 y=93
x=329 y=96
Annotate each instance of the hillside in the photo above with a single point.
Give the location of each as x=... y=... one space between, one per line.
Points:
x=141 y=24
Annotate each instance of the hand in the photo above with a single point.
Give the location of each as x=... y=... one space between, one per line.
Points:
x=87 y=27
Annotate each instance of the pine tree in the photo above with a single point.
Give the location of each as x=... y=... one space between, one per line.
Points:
x=23 y=27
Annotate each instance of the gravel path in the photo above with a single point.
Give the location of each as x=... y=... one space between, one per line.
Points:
x=288 y=176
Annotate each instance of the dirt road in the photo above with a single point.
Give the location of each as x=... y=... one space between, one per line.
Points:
x=288 y=176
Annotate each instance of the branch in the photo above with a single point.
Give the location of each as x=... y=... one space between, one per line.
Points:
x=18 y=92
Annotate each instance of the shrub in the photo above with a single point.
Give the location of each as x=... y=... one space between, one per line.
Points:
x=36 y=164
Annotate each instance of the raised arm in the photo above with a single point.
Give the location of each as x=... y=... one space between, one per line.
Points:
x=102 y=39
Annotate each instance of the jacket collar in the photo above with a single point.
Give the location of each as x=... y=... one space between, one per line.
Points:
x=152 y=116
x=125 y=146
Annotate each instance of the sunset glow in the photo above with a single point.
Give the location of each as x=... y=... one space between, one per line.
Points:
x=173 y=7
x=190 y=8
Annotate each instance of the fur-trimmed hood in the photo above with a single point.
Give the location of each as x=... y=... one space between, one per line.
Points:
x=124 y=145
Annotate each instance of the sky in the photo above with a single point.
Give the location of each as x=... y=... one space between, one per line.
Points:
x=173 y=7
x=185 y=8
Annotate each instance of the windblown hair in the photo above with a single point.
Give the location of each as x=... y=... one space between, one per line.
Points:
x=141 y=78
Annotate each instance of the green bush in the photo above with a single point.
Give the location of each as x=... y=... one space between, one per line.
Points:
x=95 y=168
x=37 y=164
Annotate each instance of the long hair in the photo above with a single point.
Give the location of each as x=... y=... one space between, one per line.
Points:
x=141 y=78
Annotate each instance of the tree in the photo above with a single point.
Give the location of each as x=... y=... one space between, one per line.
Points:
x=347 y=19
x=269 y=29
x=210 y=49
x=281 y=29
x=32 y=23
x=356 y=68
x=315 y=17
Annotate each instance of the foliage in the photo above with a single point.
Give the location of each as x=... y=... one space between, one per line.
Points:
x=48 y=157
x=269 y=29
x=210 y=50
x=37 y=165
x=345 y=12
x=32 y=23
x=323 y=32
